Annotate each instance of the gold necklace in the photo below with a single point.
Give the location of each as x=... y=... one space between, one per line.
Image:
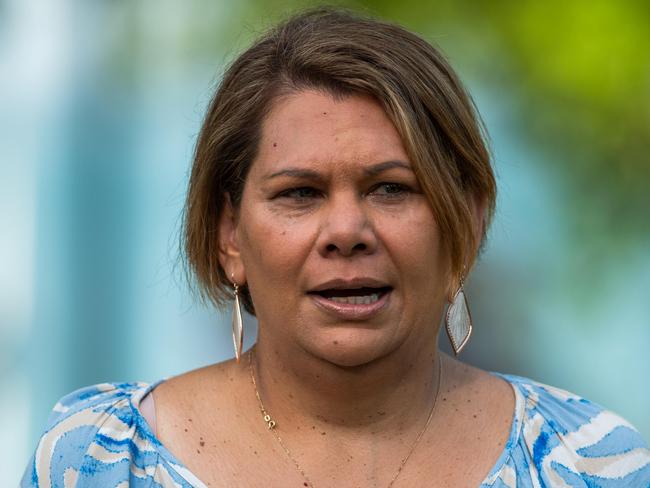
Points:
x=271 y=425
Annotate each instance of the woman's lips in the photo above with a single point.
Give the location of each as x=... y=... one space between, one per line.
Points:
x=352 y=311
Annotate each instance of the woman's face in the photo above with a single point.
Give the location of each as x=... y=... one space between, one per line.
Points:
x=339 y=247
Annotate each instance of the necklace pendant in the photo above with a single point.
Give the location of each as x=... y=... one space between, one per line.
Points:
x=269 y=421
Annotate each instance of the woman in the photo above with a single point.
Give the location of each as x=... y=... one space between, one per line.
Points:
x=340 y=192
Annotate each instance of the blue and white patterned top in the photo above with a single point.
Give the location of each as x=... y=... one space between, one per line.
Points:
x=97 y=437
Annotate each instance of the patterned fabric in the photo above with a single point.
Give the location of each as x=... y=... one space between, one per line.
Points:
x=97 y=437
x=559 y=439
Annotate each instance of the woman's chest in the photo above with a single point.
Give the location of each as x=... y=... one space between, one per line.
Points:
x=462 y=460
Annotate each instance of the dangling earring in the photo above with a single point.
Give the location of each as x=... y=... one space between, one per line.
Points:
x=458 y=320
x=237 y=323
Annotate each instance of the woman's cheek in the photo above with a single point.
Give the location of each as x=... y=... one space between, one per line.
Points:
x=282 y=246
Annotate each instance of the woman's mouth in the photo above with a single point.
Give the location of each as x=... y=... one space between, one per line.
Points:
x=356 y=296
x=357 y=300
x=353 y=303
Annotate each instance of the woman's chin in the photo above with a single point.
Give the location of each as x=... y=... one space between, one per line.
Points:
x=351 y=348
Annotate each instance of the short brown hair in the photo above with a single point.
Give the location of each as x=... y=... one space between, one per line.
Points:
x=341 y=53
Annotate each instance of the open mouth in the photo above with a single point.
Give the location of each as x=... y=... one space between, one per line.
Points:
x=354 y=296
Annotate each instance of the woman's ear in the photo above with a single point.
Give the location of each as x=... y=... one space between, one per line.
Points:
x=229 y=248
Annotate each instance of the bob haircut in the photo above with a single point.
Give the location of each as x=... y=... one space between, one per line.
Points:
x=342 y=54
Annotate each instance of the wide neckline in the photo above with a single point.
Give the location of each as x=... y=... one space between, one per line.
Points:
x=184 y=472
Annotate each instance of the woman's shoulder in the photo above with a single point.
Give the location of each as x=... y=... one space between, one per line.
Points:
x=562 y=439
x=96 y=436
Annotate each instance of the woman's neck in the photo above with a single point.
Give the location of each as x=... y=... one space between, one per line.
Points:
x=390 y=393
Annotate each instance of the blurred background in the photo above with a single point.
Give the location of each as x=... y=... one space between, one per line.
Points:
x=100 y=104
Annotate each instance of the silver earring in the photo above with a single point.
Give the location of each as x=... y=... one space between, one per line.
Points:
x=237 y=324
x=458 y=321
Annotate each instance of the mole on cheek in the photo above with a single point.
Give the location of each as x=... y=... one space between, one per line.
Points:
x=275 y=144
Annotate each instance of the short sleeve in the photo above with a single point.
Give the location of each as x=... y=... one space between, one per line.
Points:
x=92 y=438
x=573 y=442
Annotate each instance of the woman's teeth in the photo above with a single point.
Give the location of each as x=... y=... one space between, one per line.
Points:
x=357 y=300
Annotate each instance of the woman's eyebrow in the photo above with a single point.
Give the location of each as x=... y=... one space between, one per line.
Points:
x=295 y=173
x=372 y=170
x=378 y=168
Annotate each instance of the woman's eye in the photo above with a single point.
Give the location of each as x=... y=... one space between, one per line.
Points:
x=390 y=190
x=299 y=194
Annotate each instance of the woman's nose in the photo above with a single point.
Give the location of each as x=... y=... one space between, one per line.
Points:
x=346 y=229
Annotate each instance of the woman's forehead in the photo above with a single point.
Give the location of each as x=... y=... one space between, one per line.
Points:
x=312 y=128
x=319 y=108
